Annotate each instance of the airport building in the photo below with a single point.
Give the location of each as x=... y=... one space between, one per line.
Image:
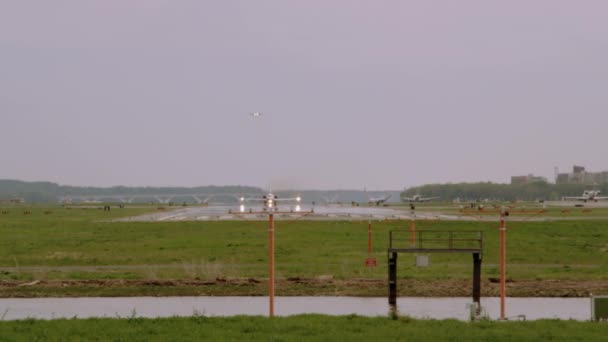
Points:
x=527 y=179
x=580 y=176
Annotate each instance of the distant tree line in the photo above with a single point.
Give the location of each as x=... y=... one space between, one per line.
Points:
x=40 y=192
x=504 y=192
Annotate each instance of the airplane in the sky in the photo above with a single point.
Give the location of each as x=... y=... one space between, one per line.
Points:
x=588 y=195
x=270 y=201
x=417 y=198
x=378 y=200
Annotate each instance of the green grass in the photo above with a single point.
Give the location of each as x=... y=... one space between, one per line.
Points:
x=297 y=328
x=83 y=244
x=524 y=211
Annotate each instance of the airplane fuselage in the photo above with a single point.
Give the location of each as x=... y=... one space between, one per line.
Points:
x=588 y=195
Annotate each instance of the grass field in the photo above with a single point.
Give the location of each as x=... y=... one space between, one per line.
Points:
x=521 y=211
x=80 y=244
x=297 y=328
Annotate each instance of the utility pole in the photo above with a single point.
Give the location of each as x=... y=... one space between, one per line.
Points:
x=271 y=248
x=502 y=230
x=271 y=265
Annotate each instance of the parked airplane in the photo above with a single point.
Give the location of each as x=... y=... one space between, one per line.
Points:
x=378 y=200
x=329 y=199
x=588 y=195
x=417 y=198
x=270 y=201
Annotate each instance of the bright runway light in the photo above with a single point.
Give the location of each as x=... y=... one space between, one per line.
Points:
x=242 y=208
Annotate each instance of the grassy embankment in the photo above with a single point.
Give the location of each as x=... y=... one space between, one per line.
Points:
x=524 y=210
x=78 y=252
x=297 y=328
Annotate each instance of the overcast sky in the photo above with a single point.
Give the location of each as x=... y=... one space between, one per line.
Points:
x=376 y=94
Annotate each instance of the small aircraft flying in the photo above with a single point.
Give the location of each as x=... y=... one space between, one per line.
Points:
x=270 y=201
x=588 y=195
x=417 y=198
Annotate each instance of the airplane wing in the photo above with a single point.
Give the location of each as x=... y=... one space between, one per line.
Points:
x=252 y=199
x=297 y=199
x=262 y=199
x=426 y=199
x=578 y=198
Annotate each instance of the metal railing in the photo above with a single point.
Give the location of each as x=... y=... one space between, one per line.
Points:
x=437 y=239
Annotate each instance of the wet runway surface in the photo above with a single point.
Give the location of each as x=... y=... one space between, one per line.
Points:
x=305 y=212
x=333 y=212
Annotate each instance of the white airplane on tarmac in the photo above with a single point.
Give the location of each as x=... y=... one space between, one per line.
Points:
x=270 y=201
x=417 y=198
x=379 y=200
x=588 y=195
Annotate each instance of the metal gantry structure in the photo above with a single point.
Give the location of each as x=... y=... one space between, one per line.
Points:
x=435 y=241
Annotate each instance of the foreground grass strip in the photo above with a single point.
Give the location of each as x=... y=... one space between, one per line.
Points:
x=297 y=328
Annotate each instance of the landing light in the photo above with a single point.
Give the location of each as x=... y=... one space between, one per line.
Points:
x=298 y=199
x=242 y=208
x=242 y=199
x=298 y=208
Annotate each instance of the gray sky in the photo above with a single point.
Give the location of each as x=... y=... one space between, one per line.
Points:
x=376 y=94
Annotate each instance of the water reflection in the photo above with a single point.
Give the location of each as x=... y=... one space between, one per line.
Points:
x=435 y=308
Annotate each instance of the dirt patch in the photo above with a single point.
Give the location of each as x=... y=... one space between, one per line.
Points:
x=298 y=286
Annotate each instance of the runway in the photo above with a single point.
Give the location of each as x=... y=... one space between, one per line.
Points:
x=333 y=212
x=306 y=212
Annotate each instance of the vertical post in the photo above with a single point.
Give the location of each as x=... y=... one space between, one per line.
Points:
x=369 y=237
x=502 y=230
x=392 y=278
x=271 y=265
x=413 y=228
x=477 y=280
x=413 y=234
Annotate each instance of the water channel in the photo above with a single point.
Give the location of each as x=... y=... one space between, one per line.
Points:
x=431 y=308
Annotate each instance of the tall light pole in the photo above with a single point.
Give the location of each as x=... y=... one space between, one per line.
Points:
x=502 y=230
x=271 y=265
x=271 y=260
x=412 y=226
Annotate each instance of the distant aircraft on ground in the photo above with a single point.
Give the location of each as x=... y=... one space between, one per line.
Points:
x=256 y=114
x=588 y=195
x=330 y=199
x=377 y=200
x=417 y=198
x=270 y=201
